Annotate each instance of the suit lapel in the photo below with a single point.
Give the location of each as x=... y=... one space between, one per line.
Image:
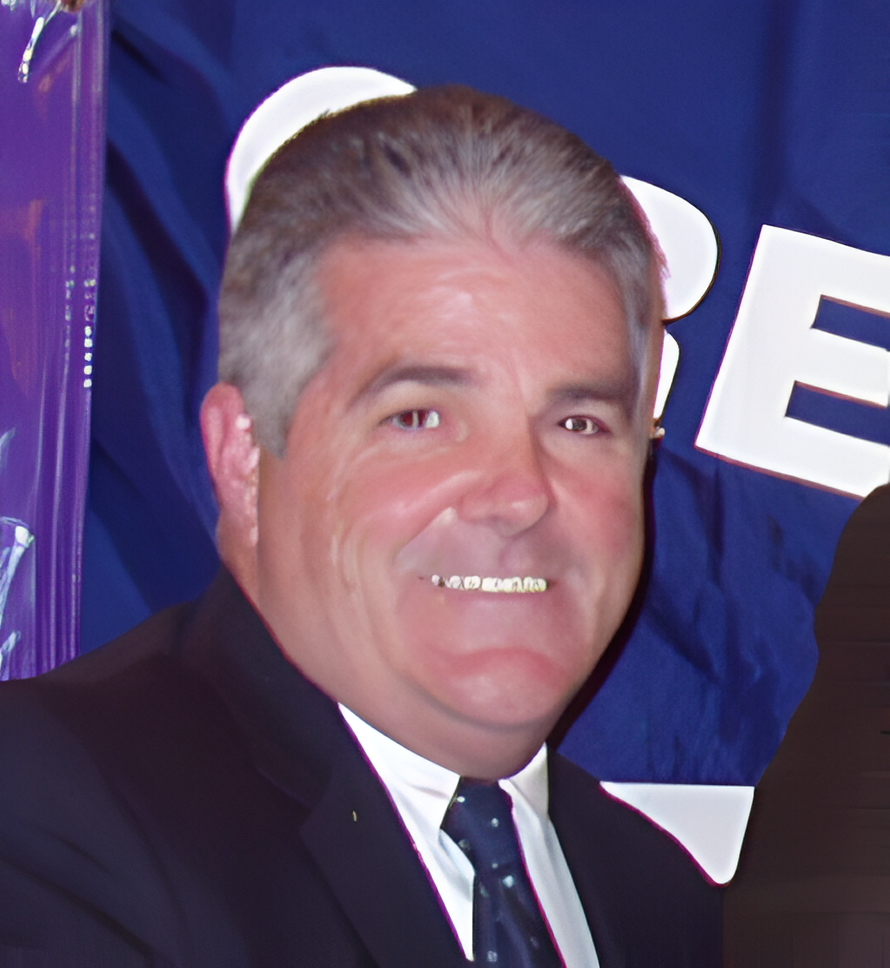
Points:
x=359 y=844
x=300 y=742
x=576 y=816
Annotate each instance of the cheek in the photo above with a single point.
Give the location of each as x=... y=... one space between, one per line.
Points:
x=621 y=519
x=613 y=489
x=608 y=521
x=387 y=502
x=297 y=516
x=282 y=538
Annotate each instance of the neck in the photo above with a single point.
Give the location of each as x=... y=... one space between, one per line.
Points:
x=485 y=753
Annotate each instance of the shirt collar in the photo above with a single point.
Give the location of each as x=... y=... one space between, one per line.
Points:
x=426 y=782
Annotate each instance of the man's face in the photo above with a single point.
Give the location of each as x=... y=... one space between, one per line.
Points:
x=480 y=416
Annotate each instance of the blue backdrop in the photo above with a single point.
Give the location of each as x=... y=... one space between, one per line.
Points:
x=768 y=111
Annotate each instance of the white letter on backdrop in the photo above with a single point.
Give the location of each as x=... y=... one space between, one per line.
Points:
x=773 y=346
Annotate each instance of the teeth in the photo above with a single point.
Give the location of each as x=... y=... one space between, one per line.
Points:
x=472 y=583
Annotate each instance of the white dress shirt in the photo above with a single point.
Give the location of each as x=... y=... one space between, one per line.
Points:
x=421 y=792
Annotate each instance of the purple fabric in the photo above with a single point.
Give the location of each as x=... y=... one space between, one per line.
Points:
x=51 y=169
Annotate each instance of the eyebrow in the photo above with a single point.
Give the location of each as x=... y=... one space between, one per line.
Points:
x=412 y=373
x=623 y=392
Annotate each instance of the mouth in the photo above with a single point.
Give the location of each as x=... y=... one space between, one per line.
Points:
x=477 y=583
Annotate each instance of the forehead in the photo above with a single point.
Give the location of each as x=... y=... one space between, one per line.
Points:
x=535 y=312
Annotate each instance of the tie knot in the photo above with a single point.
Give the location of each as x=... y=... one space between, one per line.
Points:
x=480 y=822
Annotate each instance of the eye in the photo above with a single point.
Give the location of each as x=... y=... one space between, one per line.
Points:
x=586 y=426
x=421 y=419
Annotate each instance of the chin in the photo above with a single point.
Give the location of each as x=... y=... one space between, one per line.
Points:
x=507 y=687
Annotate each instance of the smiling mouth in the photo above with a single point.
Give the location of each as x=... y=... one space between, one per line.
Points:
x=475 y=583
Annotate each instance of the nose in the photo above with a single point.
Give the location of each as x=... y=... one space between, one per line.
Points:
x=511 y=491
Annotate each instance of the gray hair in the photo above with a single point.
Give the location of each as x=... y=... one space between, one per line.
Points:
x=443 y=162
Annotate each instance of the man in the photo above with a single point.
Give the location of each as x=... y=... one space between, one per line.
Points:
x=439 y=336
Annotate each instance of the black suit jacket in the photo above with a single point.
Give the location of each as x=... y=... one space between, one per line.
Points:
x=185 y=797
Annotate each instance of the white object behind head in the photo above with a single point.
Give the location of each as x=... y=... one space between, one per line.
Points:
x=288 y=110
x=687 y=240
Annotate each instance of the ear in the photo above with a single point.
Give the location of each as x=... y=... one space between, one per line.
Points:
x=233 y=459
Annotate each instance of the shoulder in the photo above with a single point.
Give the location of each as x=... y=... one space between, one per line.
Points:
x=110 y=704
x=641 y=885
x=130 y=710
x=42 y=718
x=79 y=747
x=612 y=824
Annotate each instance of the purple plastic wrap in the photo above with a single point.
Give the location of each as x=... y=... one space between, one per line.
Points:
x=52 y=129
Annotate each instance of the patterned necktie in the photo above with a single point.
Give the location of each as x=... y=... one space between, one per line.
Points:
x=508 y=927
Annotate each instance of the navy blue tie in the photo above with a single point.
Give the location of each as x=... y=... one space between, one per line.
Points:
x=508 y=927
